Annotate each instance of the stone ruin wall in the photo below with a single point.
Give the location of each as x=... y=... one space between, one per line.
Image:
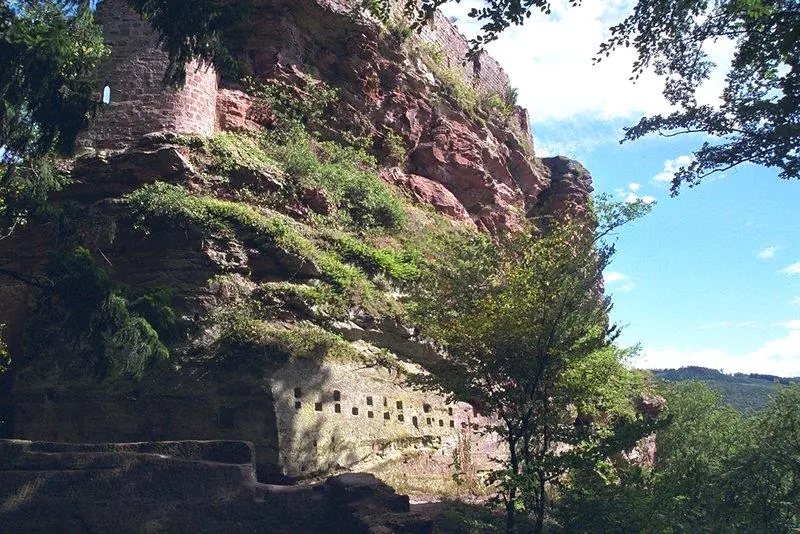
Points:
x=308 y=419
x=484 y=72
x=96 y=416
x=140 y=103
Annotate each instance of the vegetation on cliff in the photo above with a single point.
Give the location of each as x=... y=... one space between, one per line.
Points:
x=109 y=335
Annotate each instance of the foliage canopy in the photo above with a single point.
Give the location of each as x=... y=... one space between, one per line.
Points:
x=529 y=343
x=49 y=53
x=716 y=471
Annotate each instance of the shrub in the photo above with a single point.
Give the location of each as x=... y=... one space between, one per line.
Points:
x=451 y=80
x=98 y=314
x=155 y=308
x=130 y=342
x=494 y=104
x=399 y=265
x=232 y=152
x=305 y=106
x=348 y=176
x=394 y=146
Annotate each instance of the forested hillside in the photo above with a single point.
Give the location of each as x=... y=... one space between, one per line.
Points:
x=745 y=392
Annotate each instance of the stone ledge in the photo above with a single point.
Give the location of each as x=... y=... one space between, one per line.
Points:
x=181 y=486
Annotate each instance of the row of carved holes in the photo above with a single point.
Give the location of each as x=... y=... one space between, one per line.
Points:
x=337 y=397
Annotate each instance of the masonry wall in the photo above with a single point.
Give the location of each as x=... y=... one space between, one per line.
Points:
x=140 y=103
x=484 y=73
x=348 y=416
x=96 y=416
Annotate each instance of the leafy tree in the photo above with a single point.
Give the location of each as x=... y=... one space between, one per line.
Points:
x=758 y=118
x=50 y=51
x=715 y=471
x=528 y=342
x=767 y=475
x=693 y=454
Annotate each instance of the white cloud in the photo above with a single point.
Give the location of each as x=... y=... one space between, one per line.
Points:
x=768 y=253
x=671 y=166
x=780 y=356
x=571 y=148
x=792 y=269
x=614 y=276
x=730 y=324
x=672 y=358
x=634 y=187
x=549 y=59
x=791 y=325
x=630 y=196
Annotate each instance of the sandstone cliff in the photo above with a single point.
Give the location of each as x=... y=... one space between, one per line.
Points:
x=240 y=276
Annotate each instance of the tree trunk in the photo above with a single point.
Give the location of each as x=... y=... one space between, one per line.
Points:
x=510 y=518
x=512 y=492
x=540 y=505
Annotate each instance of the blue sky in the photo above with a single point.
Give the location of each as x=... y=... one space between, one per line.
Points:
x=709 y=278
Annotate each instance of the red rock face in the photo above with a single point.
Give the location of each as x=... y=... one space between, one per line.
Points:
x=480 y=168
x=487 y=169
x=428 y=192
x=237 y=111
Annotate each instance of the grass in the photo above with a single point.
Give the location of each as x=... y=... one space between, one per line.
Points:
x=246 y=335
x=398 y=265
x=458 y=517
x=346 y=174
x=161 y=200
x=266 y=229
x=231 y=152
